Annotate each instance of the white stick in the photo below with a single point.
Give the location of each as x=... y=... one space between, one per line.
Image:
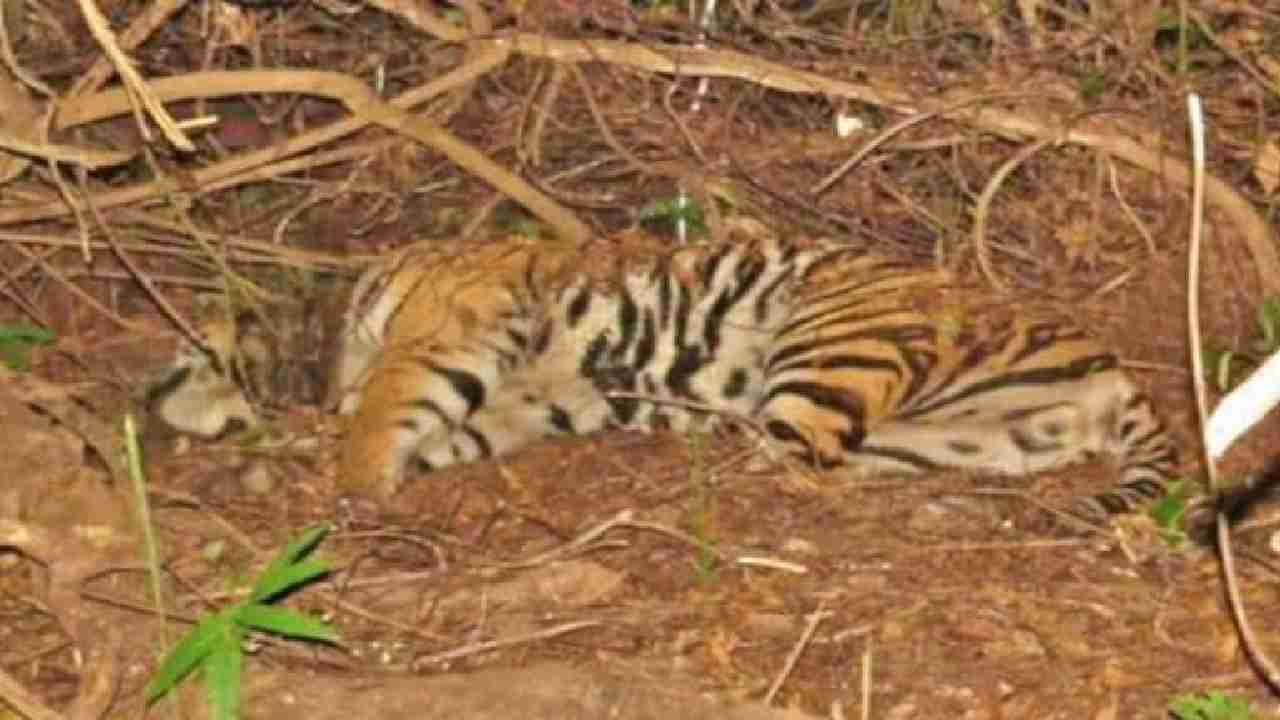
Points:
x=1243 y=407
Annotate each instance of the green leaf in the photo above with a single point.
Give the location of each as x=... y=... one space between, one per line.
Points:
x=283 y=580
x=673 y=209
x=1217 y=367
x=1168 y=511
x=193 y=649
x=1091 y=86
x=29 y=334
x=283 y=621
x=1269 y=324
x=16 y=342
x=269 y=583
x=222 y=673
x=1211 y=706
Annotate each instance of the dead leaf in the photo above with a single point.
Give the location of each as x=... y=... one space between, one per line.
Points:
x=1266 y=166
x=21 y=119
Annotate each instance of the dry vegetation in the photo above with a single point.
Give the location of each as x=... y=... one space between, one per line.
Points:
x=262 y=149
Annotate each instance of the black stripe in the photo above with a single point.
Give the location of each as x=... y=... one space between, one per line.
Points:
x=1025 y=412
x=542 y=340
x=1040 y=336
x=1146 y=487
x=593 y=356
x=688 y=361
x=664 y=300
x=789 y=251
x=891 y=274
x=736 y=386
x=560 y=419
x=1111 y=503
x=426 y=404
x=624 y=409
x=1029 y=444
x=578 y=306
x=844 y=314
x=976 y=355
x=712 y=264
x=518 y=338
x=761 y=310
x=1074 y=370
x=902 y=455
x=467 y=385
x=648 y=342
x=681 y=315
x=897 y=335
x=921 y=364
x=164 y=389
x=747 y=274
x=628 y=318
x=841 y=362
x=823 y=395
x=481 y=442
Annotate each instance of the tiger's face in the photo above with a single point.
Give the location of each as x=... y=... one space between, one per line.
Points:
x=244 y=368
x=206 y=391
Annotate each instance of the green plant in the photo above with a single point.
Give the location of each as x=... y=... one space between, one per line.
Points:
x=701 y=518
x=667 y=212
x=16 y=342
x=1091 y=85
x=214 y=645
x=1184 y=45
x=1209 y=706
x=1169 y=512
x=1226 y=367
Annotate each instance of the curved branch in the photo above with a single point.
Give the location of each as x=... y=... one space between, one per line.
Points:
x=361 y=101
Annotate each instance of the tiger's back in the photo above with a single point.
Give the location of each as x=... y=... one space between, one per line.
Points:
x=842 y=356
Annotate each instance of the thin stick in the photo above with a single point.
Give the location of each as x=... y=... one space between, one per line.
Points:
x=984 y=202
x=139 y=93
x=866 y=680
x=1226 y=557
x=489 y=645
x=816 y=617
x=23 y=700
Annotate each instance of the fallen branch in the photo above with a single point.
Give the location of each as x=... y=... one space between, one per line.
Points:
x=362 y=102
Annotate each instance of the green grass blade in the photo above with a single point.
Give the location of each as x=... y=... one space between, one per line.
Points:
x=29 y=334
x=268 y=583
x=16 y=342
x=193 y=649
x=283 y=621
x=282 y=580
x=222 y=675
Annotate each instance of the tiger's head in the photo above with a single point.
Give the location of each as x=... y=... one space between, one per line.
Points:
x=219 y=390
x=207 y=391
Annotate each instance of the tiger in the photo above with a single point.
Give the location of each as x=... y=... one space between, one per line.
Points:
x=841 y=356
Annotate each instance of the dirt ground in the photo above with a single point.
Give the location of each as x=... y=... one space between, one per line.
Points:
x=628 y=575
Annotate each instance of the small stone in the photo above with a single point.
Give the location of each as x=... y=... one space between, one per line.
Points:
x=257 y=479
